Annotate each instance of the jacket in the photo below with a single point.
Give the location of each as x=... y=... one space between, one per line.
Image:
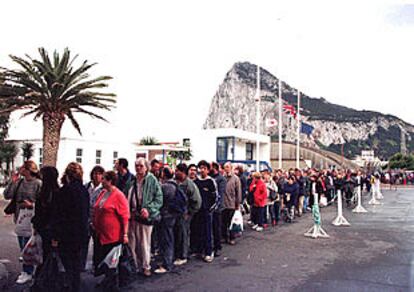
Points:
x=260 y=193
x=193 y=195
x=233 y=193
x=209 y=194
x=221 y=189
x=70 y=225
x=111 y=220
x=152 y=198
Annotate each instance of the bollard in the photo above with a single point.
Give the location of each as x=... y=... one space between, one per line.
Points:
x=374 y=201
x=359 y=208
x=316 y=230
x=378 y=189
x=340 y=219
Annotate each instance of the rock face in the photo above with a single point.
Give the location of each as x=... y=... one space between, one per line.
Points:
x=336 y=128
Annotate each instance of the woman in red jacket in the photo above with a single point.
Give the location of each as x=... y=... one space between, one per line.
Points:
x=258 y=187
x=110 y=218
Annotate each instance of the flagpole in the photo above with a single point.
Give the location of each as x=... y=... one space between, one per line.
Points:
x=298 y=133
x=280 y=124
x=258 y=120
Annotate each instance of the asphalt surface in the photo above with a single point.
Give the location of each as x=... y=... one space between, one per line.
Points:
x=374 y=254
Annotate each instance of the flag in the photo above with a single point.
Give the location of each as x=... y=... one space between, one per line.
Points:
x=271 y=123
x=289 y=109
x=306 y=129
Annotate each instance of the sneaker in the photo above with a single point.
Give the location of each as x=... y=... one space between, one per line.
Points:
x=23 y=278
x=209 y=258
x=259 y=229
x=161 y=270
x=250 y=223
x=180 y=262
x=21 y=259
x=232 y=242
x=255 y=226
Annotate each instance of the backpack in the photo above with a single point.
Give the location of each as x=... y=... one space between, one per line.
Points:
x=178 y=204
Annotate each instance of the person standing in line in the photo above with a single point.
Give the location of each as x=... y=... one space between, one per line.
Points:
x=203 y=220
x=70 y=225
x=217 y=214
x=272 y=197
x=258 y=188
x=24 y=191
x=94 y=188
x=183 y=223
x=145 y=200
x=45 y=208
x=168 y=219
x=110 y=222
x=231 y=202
x=124 y=180
x=192 y=172
x=156 y=168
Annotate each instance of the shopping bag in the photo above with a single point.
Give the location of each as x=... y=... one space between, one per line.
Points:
x=32 y=253
x=323 y=202
x=127 y=268
x=236 y=225
x=51 y=276
x=24 y=223
x=112 y=258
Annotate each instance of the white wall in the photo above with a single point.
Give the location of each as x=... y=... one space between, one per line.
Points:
x=67 y=154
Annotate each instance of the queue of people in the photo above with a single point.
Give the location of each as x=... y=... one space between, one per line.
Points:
x=175 y=214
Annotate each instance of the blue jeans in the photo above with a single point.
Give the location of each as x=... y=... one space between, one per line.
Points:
x=166 y=241
x=22 y=243
x=274 y=210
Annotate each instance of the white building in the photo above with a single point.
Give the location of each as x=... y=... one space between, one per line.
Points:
x=87 y=152
x=230 y=144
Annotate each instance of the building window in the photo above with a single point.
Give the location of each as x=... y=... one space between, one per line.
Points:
x=98 y=156
x=115 y=156
x=222 y=149
x=40 y=157
x=249 y=151
x=79 y=153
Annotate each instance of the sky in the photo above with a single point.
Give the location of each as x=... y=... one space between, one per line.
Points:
x=168 y=58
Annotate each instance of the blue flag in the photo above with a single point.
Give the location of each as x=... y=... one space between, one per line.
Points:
x=306 y=129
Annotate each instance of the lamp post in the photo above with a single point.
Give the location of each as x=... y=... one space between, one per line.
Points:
x=257 y=100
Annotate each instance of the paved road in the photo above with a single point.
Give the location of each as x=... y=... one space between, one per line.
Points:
x=374 y=254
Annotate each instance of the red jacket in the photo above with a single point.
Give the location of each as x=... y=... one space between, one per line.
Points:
x=260 y=194
x=111 y=221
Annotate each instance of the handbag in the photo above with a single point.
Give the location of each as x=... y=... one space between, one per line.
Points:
x=12 y=205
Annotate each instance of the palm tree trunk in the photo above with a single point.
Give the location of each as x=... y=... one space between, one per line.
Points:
x=52 y=125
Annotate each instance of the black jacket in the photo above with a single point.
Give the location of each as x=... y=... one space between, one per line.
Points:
x=70 y=225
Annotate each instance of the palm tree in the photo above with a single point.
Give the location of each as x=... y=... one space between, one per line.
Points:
x=54 y=90
x=27 y=149
x=148 y=141
x=8 y=152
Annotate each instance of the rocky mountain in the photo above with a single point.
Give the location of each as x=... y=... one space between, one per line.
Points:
x=336 y=128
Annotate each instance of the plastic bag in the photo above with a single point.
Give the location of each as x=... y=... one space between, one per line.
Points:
x=24 y=223
x=112 y=258
x=236 y=224
x=323 y=202
x=127 y=268
x=32 y=253
x=51 y=276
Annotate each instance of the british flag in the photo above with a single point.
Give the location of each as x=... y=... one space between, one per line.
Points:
x=289 y=109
